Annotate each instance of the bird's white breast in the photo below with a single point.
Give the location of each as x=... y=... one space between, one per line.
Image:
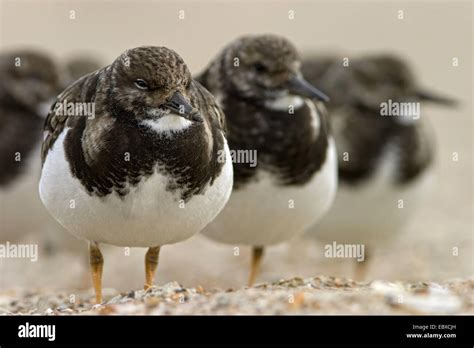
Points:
x=264 y=213
x=170 y=123
x=373 y=211
x=149 y=215
x=283 y=103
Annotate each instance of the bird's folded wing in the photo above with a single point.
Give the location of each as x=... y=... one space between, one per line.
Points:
x=83 y=90
x=215 y=112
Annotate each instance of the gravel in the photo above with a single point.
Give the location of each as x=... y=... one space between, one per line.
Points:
x=318 y=295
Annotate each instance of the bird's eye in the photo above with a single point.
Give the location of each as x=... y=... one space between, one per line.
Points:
x=141 y=84
x=259 y=67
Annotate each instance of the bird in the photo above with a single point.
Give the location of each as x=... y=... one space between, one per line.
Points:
x=151 y=168
x=30 y=78
x=385 y=163
x=270 y=112
x=79 y=66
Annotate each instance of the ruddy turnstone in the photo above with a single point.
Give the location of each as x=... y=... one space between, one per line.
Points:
x=81 y=65
x=384 y=144
x=258 y=82
x=150 y=167
x=29 y=79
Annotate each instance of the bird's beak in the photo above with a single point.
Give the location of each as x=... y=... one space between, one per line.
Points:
x=299 y=86
x=424 y=95
x=183 y=108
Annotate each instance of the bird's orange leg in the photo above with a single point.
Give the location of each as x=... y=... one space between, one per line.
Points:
x=257 y=253
x=361 y=268
x=97 y=264
x=151 y=263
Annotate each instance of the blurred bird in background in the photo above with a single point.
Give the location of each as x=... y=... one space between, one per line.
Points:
x=269 y=111
x=30 y=81
x=81 y=65
x=384 y=143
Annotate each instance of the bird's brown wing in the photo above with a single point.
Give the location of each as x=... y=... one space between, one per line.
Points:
x=83 y=90
x=214 y=111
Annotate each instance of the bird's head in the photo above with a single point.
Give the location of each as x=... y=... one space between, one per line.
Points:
x=151 y=82
x=265 y=67
x=375 y=79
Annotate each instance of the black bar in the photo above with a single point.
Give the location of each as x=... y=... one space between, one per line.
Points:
x=260 y=330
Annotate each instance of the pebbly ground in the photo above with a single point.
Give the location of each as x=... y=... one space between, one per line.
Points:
x=403 y=278
x=319 y=295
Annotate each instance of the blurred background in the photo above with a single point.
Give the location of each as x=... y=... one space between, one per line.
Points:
x=429 y=36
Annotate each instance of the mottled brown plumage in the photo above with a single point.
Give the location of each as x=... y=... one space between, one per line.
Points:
x=357 y=92
x=253 y=67
x=95 y=147
x=248 y=73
